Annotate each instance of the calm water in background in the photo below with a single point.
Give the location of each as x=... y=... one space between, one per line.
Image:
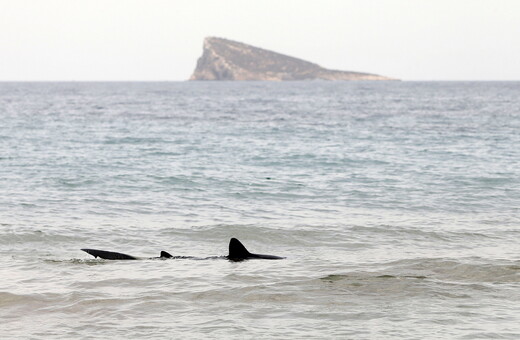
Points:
x=397 y=205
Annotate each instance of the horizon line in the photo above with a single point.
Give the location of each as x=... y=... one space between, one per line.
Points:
x=254 y=81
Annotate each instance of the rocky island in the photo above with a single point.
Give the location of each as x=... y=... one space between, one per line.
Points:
x=224 y=59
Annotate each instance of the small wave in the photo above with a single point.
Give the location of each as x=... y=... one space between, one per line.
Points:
x=423 y=233
x=461 y=271
x=89 y=262
x=10 y=299
x=444 y=278
x=369 y=277
x=23 y=237
x=135 y=140
x=76 y=183
x=443 y=269
x=185 y=180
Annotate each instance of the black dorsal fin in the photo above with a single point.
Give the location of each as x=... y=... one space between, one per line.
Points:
x=109 y=255
x=237 y=250
x=165 y=255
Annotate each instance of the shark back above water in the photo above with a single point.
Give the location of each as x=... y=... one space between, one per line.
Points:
x=237 y=252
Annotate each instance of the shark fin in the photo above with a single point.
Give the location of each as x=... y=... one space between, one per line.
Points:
x=238 y=252
x=165 y=255
x=108 y=255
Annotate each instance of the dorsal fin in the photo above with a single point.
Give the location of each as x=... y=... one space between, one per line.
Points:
x=237 y=250
x=165 y=255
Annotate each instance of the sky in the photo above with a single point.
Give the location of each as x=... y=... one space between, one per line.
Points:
x=160 y=40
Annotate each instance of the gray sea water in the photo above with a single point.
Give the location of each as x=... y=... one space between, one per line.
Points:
x=395 y=203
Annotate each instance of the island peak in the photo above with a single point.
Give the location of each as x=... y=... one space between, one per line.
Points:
x=224 y=59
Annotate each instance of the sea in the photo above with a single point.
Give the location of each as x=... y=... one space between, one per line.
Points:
x=396 y=205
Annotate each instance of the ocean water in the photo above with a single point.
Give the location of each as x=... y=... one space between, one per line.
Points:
x=396 y=205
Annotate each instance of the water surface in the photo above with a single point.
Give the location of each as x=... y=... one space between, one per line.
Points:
x=395 y=203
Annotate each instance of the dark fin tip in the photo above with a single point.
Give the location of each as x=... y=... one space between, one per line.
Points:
x=165 y=255
x=89 y=251
x=237 y=250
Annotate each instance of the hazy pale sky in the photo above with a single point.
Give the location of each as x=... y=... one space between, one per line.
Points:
x=161 y=40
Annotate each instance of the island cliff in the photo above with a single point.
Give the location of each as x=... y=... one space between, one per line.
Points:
x=224 y=59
